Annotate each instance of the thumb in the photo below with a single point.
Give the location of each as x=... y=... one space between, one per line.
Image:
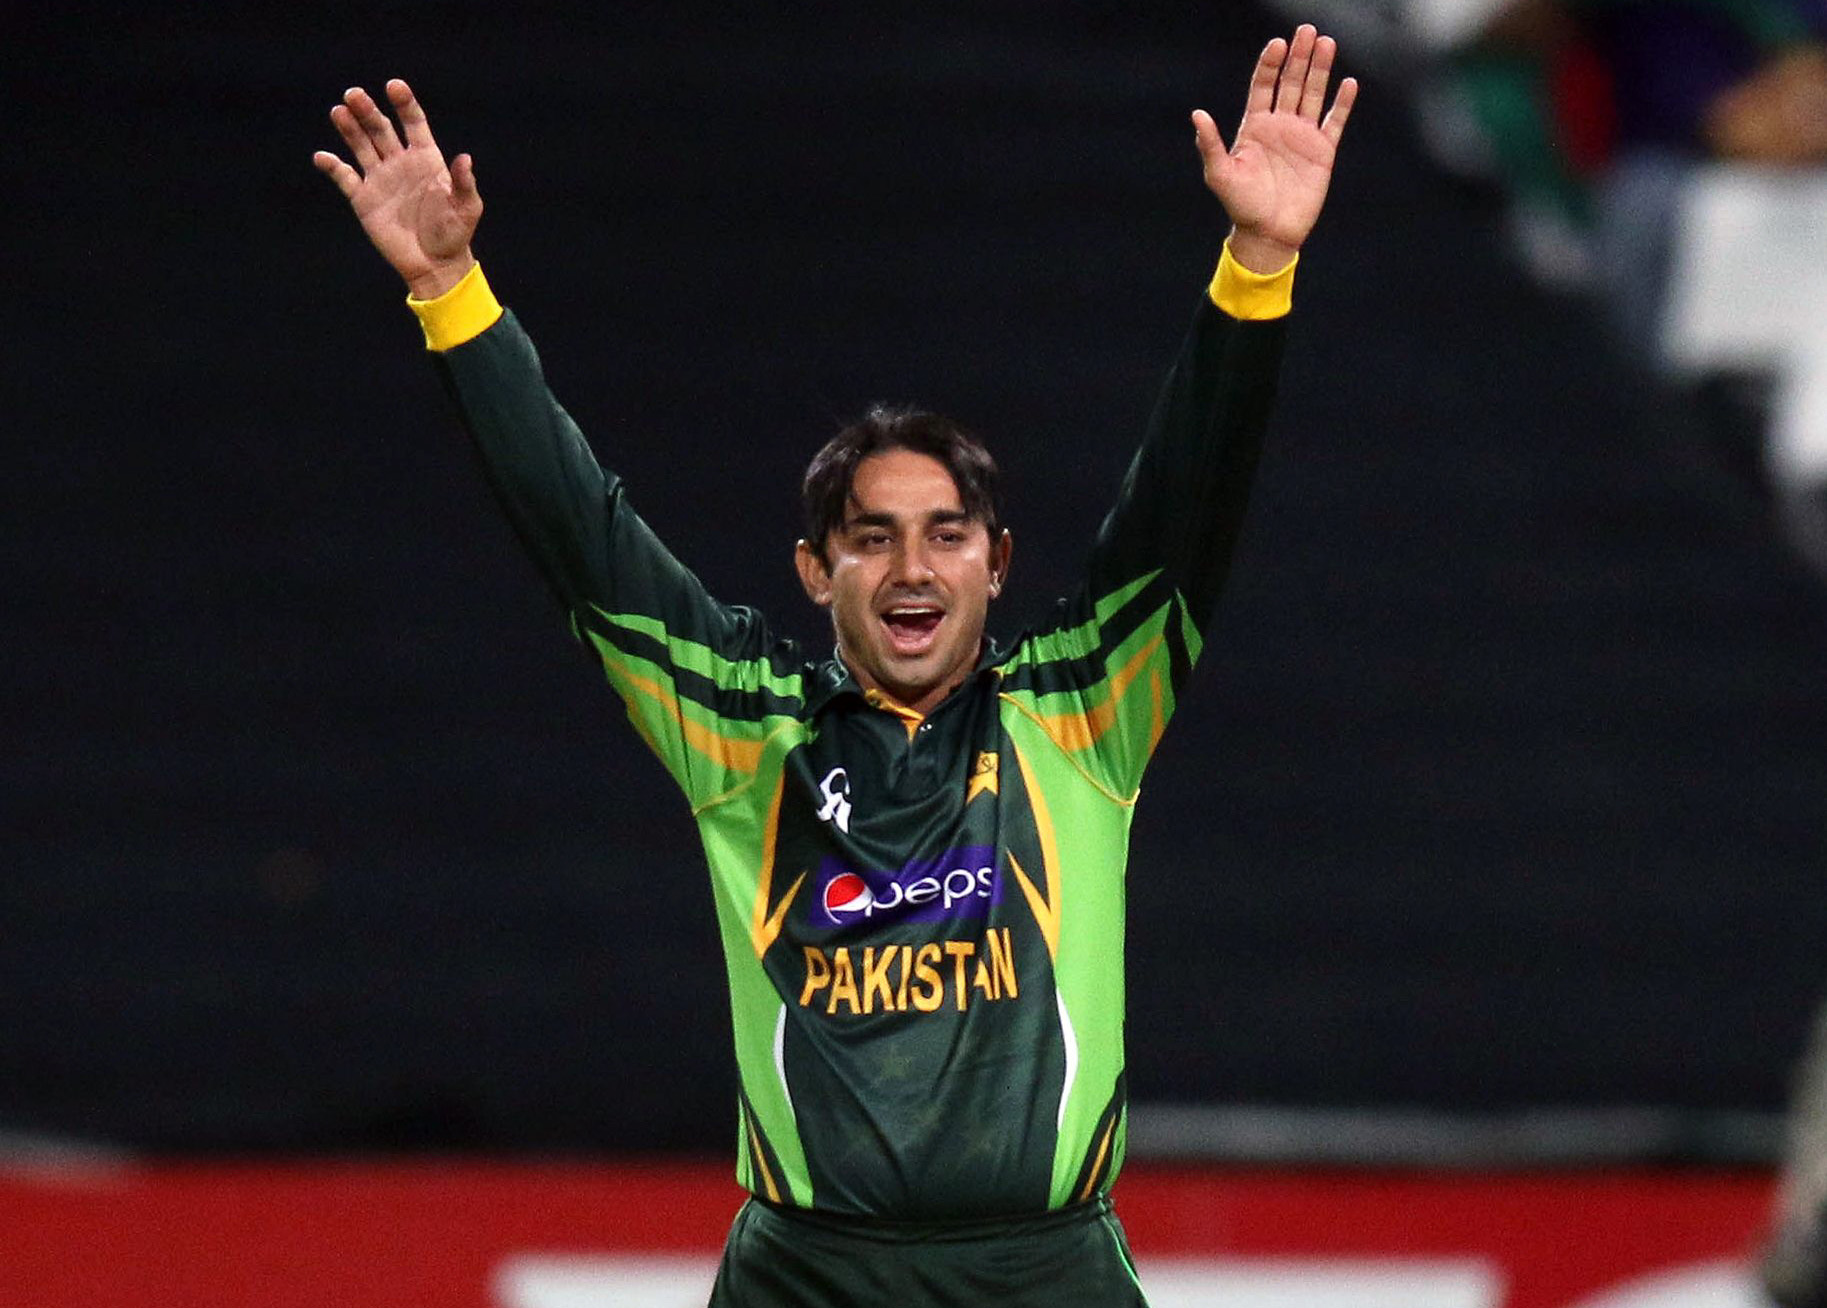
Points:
x=1211 y=144
x=1205 y=135
x=463 y=178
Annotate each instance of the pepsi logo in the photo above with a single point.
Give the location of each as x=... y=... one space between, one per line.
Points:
x=847 y=893
x=959 y=883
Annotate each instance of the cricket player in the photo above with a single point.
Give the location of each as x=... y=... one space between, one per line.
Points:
x=917 y=843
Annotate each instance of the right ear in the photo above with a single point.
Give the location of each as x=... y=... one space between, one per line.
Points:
x=813 y=574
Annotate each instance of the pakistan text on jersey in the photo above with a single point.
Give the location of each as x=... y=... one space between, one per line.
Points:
x=897 y=978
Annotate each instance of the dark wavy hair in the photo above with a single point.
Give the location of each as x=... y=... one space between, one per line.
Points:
x=832 y=472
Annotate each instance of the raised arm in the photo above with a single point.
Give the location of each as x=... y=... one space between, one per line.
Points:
x=704 y=682
x=1104 y=675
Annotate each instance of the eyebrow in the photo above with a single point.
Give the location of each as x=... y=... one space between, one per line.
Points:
x=877 y=518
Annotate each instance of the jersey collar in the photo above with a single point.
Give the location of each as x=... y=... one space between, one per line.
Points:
x=833 y=677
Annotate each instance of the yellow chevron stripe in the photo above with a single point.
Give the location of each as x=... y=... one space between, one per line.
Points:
x=1158 y=723
x=1078 y=731
x=761 y=1162
x=764 y=927
x=738 y=755
x=1046 y=911
x=1103 y=1147
x=732 y=752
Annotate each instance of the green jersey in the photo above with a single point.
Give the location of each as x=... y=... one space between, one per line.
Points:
x=922 y=917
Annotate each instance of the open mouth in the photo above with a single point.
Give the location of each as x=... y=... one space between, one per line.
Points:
x=911 y=627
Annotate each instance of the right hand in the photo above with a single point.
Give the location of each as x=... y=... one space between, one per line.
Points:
x=419 y=213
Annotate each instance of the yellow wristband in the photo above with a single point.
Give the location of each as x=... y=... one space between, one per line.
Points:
x=461 y=314
x=1252 y=296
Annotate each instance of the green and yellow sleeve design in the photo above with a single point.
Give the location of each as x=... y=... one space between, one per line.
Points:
x=705 y=684
x=1102 y=681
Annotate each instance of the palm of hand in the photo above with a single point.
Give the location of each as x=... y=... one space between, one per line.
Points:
x=419 y=213
x=1273 y=182
x=407 y=206
x=1281 y=166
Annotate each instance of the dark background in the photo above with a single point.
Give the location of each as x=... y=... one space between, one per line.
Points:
x=1501 y=785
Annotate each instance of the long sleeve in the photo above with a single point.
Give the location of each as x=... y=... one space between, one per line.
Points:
x=704 y=682
x=1103 y=675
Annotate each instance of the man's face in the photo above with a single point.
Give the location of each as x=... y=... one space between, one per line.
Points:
x=909 y=578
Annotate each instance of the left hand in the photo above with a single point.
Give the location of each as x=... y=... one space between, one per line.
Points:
x=1272 y=181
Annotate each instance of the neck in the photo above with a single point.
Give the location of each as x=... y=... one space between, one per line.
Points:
x=916 y=699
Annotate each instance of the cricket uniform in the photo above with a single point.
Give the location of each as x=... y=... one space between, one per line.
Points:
x=922 y=917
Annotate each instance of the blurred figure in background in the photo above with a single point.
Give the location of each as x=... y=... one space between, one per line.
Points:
x=1592 y=113
x=1669 y=158
x=1794 y=1265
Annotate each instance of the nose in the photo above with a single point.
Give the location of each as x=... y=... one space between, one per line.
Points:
x=911 y=566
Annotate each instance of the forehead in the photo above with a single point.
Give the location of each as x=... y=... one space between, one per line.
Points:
x=904 y=483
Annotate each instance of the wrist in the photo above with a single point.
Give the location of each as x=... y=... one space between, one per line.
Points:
x=460 y=314
x=440 y=276
x=1259 y=253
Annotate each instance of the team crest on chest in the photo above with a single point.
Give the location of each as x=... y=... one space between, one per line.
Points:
x=984 y=776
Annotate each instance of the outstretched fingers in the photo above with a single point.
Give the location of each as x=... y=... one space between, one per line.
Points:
x=412 y=117
x=1292 y=84
x=463 y=181
x=1319 y=73
x=346 y=178
x=1206 y=135
x=372 y=138
x=1262 y=82
x=1213 y=157
x=342 y=118
x=1334 y=126
x=378 y=128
